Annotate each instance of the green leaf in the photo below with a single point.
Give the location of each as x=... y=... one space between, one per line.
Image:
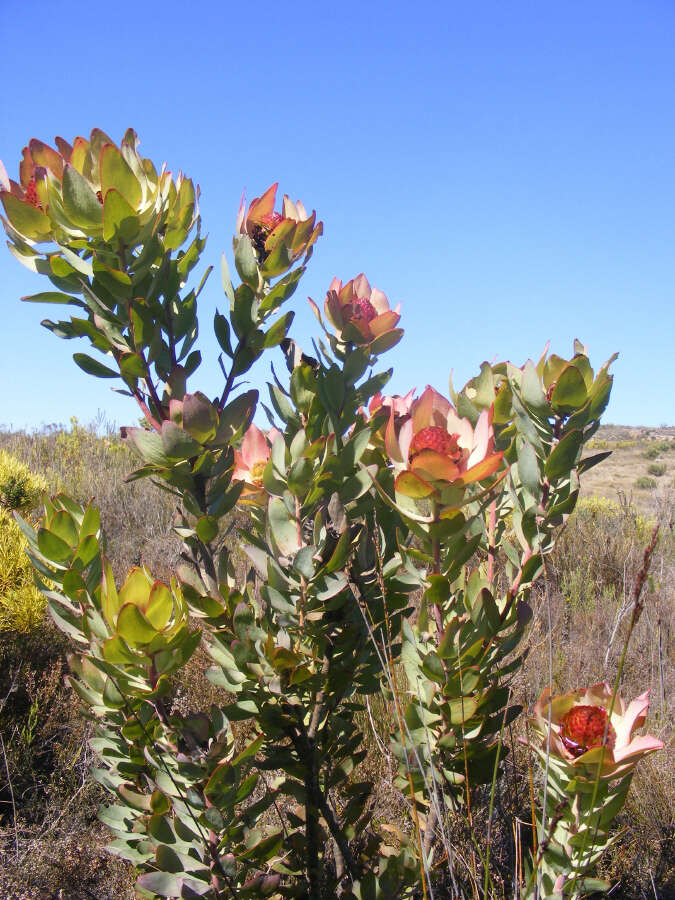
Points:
x=160 y=606
x=80 y=201
x=304 y=562
x=136 y=588
x=432 y=666
x=340 y=554
x=591 y=461
x=133 y=626
x=119 y=219
x=93 y=366
x=553 y=367
x=438 y=591
x=132 y=365
x=480 y=390
x=460 y=710
x=284 y=528
x=62 y=525
x=386 y=341
x=207 y=528
x=116 y=651
x=227 y=281
x=531 y=391
x=281 y=291
x=531 y=570
x=245 y=261
x=29 y=221
x=564 y=455
x=300 y=476
x=53 y=548
x=110 y=602
x=116 y=173
x=113 y=699
x=280 y=403
x=528 y=467
x=222 y=329
x=411 y=485
x=177 y=443
x=163 y=884
x=589 y=885
x=200 y=418
x=278 y=260
x=52 y=297
x=236 y=417
x=278 y=331
x=149 y=446
x=570 y=391
x=356 y=486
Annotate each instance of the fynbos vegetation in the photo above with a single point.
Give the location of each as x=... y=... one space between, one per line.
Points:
x=363 y=550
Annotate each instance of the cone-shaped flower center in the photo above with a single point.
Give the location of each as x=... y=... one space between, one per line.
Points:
x=31 y=195
x=433 y=437
x=583 y=728
x=362 y=308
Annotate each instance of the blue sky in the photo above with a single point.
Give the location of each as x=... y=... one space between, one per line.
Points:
x=503 y=170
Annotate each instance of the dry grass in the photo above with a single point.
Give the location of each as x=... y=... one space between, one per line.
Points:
x=634 y=450
x=51 y=845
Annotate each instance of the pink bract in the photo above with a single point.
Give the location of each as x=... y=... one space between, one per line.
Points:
x=400 y=405
x=250 y=461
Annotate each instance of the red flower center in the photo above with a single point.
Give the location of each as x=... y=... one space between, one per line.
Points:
x=433 y=437
x=31 y=195
x=583 y=728
x=362 y=308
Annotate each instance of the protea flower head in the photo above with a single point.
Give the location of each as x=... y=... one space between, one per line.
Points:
x=250 y=462
x=291 y=232
x=361 y=314
x=93 y=189
x=584 y=733
x=434 y=447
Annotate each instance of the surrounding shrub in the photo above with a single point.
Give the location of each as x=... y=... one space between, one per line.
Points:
x=21 y=603
x=602 y=444
x=654 y=450
x=657 y=469
x=645 y=483
x=20 y=488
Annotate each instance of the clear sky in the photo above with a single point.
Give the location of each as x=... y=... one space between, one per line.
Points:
x=505 y=171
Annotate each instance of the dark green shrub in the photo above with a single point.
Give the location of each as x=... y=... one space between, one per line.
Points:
x=644 y=482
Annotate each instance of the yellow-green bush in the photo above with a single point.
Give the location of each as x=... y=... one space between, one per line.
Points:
x=21 y=604
x=20 y=488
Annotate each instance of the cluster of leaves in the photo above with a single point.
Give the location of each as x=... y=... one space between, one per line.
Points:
x=356 y=501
